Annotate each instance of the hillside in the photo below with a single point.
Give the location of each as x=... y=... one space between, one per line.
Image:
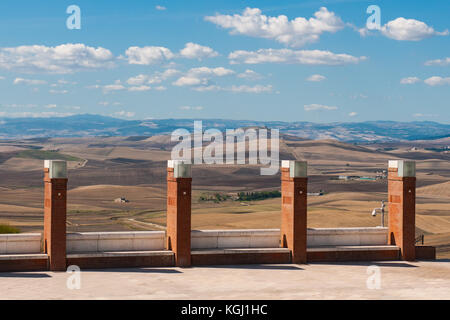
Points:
x=96 y=125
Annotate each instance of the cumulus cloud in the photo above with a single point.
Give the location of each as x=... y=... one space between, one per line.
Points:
x=201 y=76
x=249 y=75
x=236 y=89
x=32 y=82
x=409 y=30
x=437 y=81
x=160 y=8
x=117 y=86
x=157 y=77
x=148 y=55
x=438 y=62
x=65 y=58
x=153 y=55
x=251 y=89
x=308 y=57
x=296 y=32
x=315 y=107
x=137 y=80
x=139 y=88
x=52 y=91
x=196 y=51
x=353 y=114
x=316 y=78
x=409 y=80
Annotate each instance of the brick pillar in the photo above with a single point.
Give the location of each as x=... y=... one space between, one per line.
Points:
x=402 y=207
x=179 y=183
x=55 y=207
x=294 y=183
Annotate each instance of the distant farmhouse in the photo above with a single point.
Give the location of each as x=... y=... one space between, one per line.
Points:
x=121 y=200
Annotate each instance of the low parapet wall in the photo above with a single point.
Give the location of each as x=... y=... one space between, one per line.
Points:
x=270 y=238
x=246 y=238
x=20 y=243
x=201 y=239
x=115 y=241
x=370 y=236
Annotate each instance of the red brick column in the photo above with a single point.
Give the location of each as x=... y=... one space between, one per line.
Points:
x=402 y=207
x=294 y=183
x=55 y=207
x=179 y=183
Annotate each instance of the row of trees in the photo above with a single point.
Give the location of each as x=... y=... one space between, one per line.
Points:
x=241 y=196
x=258 y=195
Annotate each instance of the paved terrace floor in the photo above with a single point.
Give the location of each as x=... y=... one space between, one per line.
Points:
x=399 y=280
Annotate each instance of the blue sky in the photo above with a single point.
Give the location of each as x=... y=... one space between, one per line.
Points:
x=259 y=60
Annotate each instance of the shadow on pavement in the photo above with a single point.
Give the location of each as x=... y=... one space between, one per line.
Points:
x=135 y=270
x=24 y=275
x=255 y=267
x=369 y=263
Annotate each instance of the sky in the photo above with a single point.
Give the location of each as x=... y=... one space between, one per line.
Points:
x=316 y=61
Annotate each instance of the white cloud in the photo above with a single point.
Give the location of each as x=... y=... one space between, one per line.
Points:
x=438 y=62
x=2 y=78
x=117 y=86
x=249 y=89
x=148 y=55
x=137 y=80
x=316 y=78
x=104 y=103
x=409 y=80
x=160 y=88
x=153 y=55
x=139 y=88
x=65 y=58
x=32 y=82
x=427 y=115
x=296 y=32
x=308 y=57
x=197 y=108
x=52 y=91
x=314 y=107
x=409 y=30
x=196 y=51
x=160 y=8
x=123 y=113
x=353 y=114
x=249 y=75
x=211 y=87
x=437 y=81
x=157 y=77
x=201 y=76
x=51 y=106
x=236 y=89
x=189 y=81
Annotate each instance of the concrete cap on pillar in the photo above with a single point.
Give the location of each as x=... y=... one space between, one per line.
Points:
x=297 y=169
x=406 y=168
x=181 y=169
x=56 y=168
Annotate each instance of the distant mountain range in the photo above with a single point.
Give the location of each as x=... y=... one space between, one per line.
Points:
x=96 y=125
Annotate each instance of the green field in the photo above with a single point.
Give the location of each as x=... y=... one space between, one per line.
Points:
x=6 y=228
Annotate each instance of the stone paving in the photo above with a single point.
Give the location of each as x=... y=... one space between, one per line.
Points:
x=398 y=280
